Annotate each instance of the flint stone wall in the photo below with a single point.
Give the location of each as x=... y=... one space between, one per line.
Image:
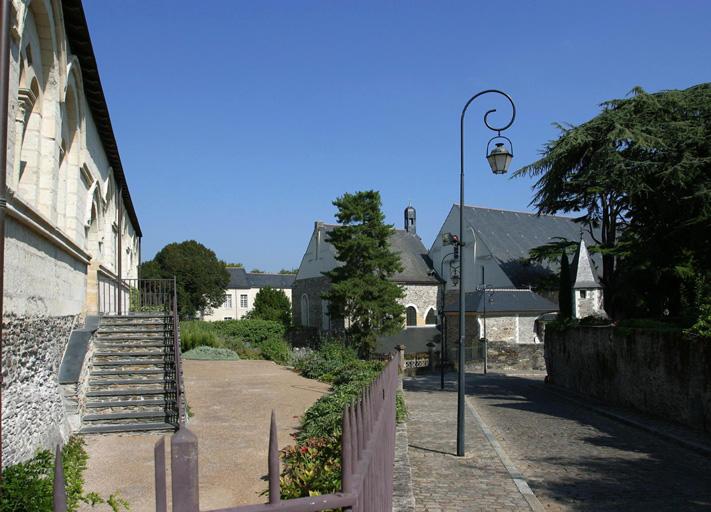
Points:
x=33 y=415
x=662 y=373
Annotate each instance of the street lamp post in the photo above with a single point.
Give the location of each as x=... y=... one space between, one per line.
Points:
x=499 y=159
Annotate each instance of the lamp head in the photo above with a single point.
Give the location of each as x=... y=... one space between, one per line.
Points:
x=499 y=158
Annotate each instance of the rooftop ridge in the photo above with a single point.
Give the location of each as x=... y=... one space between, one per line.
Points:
x=532 y=214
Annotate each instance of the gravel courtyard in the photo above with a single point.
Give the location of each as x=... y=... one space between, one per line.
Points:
x=231 y=402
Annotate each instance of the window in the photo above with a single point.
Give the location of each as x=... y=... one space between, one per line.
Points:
x=325 y=316
x=243 y=301
x=583 y=294
x=411 y=314
x=305 y=310
x=431 y=318
x=227 y=318
x=228 y=301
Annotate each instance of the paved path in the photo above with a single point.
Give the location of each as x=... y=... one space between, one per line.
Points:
x=441 y=481
x=576 y=459
x=231 y=402
x=573 y=458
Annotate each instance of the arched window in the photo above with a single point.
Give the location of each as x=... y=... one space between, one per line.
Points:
x=305 y=310
x=411 y=314
x=325 y=316
x=431 y=318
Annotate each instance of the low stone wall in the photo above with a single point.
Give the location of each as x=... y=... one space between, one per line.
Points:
x=663 y=373
x=33 y=415
x=502 y=355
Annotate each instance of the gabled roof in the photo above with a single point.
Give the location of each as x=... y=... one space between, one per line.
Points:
x=241 y=279
x=415 y=262
x=582 y=270
x=500 y=301
x=511 y=235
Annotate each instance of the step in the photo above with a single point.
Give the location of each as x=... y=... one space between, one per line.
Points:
x=106 y=373
x=124 y=382
x=135 y=317
x=126 y=427
x=118 y=344
x=141 y=415
x=135 y=329
x=132 y=362
x=130 y=392
x=128 y=403
x=113 y=353
x=133 y=335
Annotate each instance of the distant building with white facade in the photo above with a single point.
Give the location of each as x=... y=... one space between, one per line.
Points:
x=242 y=290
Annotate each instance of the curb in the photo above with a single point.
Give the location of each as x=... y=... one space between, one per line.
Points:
x=403 y=495
x=514 y=473
x=700 y=449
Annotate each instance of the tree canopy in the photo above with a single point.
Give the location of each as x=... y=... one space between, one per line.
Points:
x=201 y=278
x=361 y=290
x=271 y=304
x=639 y=177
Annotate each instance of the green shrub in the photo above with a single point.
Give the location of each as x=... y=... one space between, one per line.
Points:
x=275 y=349
x=628 y=325
x=211 y=354
x=250 y=330
x=594 y=320
x=323 y=363
x=27 y=487
x=702 y=327
x=197 y=333
x=313 y=467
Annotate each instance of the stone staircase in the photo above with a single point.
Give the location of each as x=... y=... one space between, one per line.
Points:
x=132 y=381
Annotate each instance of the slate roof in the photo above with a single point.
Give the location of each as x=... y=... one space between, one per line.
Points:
x=581 y=269
x=500 y=301
x=241 y=279
x=415 y=262
x=510 y=236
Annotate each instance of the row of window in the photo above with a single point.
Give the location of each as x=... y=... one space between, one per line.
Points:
x=410 y=314
x=243 y=301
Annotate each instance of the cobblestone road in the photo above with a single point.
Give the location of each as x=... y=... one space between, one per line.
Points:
x=575 y=459
x=441 y=481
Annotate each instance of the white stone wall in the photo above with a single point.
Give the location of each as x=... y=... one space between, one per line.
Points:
x=62 y=225
x=422 y=298
x=589 y=305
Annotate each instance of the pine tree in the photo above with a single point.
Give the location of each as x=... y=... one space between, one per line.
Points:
x=361 y=290
x=565 y=295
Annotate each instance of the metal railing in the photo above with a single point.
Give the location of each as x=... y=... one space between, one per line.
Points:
x=136 y=296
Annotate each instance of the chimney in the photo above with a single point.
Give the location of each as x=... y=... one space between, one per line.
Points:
x=410 y=220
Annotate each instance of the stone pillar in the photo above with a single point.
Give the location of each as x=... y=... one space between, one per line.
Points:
x=401 y=363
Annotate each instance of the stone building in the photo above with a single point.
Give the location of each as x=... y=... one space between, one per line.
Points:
x=416 y=278
x=587 y=291
x=242 y=290
x=496 y=248
x=71 y=226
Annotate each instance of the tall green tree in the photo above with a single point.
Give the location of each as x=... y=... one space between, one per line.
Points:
x=271 y=304
x=626 y=173
x=201 y=278
x=565 y=292
x=361 y=290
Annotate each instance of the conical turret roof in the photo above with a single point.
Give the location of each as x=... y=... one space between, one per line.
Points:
x=582 y=270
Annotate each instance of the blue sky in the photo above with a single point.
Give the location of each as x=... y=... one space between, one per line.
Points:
x=239 y=122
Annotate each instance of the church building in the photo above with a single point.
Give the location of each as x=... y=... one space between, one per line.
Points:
x=416 y=278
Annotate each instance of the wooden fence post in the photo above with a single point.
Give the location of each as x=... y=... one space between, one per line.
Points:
x=184 y=469
x=59 y=498
x=400 y=364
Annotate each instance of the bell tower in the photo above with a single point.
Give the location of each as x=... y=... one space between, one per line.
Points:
x=410 y=220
